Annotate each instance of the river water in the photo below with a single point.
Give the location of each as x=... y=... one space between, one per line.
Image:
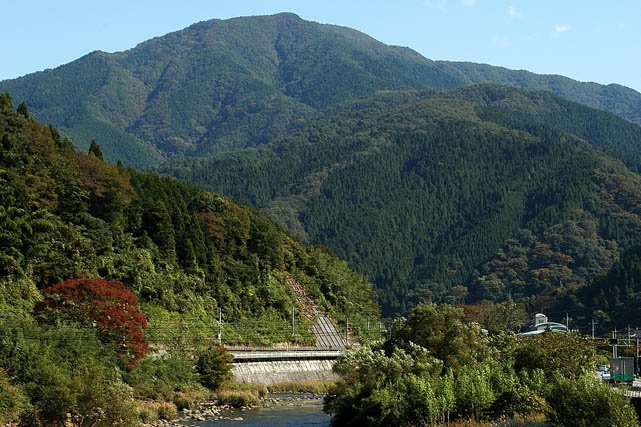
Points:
x=305 y=413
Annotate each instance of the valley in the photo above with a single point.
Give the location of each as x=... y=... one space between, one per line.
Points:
x=268 y=204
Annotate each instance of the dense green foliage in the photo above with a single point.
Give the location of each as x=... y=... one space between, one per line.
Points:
x=443 y=331
x=13 y=401
x=426 y=191
x=63 y=370
x=481 y=186
x=83 y=242
x=617 y=99
x=214 y=367
x=617 y=294
x=584 y=402
x=65 y=214
x=224 y=85
x=410 y=384
x=216 y=85
x=160 y=378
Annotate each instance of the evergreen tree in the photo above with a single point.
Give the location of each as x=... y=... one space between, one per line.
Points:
x=94 y=149
x=22 y=109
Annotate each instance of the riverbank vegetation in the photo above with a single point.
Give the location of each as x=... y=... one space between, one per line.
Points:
x=315 y=387
x=113 y=282
x=437 y=368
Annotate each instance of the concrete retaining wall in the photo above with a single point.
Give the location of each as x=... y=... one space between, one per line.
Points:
x=273 y=372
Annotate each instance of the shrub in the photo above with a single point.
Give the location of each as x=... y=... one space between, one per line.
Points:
x=520 y=401
x=570 y=354
x=187 y=397
x=382 y=390
x=214 y=367
x=13 y=401
x=65 y=369
x=320 y=387
x=147 y=414
x=160 y=377
x=515 y=394
x=105 y=404
x=474 y=393
x=587 y=402
x=167 y=411
x=236 y=398
x=260 y=390
x=152 y=411
x=408 y=401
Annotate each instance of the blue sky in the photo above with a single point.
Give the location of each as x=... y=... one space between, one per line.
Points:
x=586 y=40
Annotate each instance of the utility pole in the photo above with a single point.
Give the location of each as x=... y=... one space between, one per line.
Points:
x=346 y=331
x=627 y=338
x=293 y=322
x=593 y=343
x=636 y=338
x=220 y=326
x=567 y=322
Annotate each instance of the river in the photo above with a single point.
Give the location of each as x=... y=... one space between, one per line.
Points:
x=305 y=413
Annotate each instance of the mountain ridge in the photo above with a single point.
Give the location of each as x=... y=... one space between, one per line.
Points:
x=366 y=148
x=224 y=85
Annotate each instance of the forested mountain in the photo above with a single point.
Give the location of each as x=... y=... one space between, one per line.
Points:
x=419 y=180
x=616 y=297
x=183 y=251
x=484 y=192
x=113 y=282
x=224 y=85
x=216 y=85
x=617 y=99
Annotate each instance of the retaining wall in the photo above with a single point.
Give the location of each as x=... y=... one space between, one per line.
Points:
x=279 y=371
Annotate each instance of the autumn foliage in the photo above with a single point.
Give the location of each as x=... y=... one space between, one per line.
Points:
x=107 y=305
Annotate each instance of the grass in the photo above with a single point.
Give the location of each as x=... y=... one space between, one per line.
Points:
x=236 y=398
x=517 y=421
x=318 y=387
x=188 y=398
x=149 y=411
x=259 y=389
x=239 y=394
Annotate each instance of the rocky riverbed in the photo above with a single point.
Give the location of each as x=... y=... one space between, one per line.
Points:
x=211 y=411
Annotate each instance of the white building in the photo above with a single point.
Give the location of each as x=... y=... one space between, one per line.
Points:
x=541 y=324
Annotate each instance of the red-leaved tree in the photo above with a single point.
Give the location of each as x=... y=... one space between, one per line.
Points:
x=106 y=305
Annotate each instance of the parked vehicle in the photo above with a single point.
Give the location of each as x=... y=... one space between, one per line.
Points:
x=622 y=370
x=603 y=372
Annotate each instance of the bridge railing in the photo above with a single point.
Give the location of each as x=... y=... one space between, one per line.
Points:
x=259 y=356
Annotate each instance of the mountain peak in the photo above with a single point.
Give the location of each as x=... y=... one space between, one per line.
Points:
x=222 y=85
x=287 y=15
